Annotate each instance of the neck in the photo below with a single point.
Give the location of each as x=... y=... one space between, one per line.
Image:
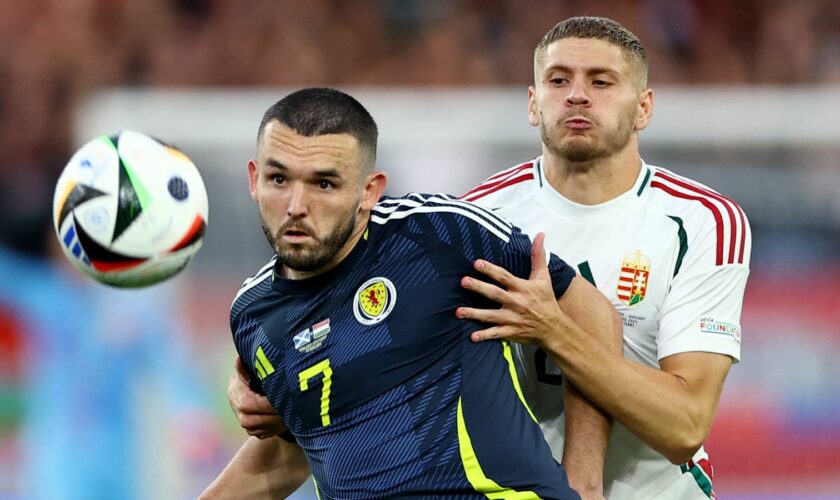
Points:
x=594 y=182
x=349 y=245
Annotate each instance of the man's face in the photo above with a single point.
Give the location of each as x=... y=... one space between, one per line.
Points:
x=586 y=100
x=309 y=191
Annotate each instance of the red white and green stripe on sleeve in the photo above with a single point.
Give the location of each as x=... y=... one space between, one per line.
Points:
x=731 y=223
x=703 y=473
x=514 y=175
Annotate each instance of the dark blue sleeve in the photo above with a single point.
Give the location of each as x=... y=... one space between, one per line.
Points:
x=244 y=333
x=561 y=275
x=479 y=233
x=515 y=256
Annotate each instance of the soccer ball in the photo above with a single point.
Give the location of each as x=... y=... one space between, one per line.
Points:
x=129 y=210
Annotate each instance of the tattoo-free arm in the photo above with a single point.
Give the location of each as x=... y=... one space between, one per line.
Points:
x=262 y=469
x=670 y=409
x=587 y=427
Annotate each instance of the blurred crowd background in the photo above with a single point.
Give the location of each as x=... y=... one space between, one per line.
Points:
x=56 y=51
x=120 y=394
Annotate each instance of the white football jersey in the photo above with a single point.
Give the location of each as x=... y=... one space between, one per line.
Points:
x=673 y=257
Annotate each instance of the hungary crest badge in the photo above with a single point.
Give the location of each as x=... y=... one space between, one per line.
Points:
x=633 y=278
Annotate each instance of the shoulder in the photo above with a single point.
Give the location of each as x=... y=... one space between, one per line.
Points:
x=509 y=184
x=252 y=289
x=708 y=218
x=437 y=214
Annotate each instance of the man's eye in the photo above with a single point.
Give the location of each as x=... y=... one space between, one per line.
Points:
x=558 y=81
x=600 y=83
x=325 y=184
x=278 y=179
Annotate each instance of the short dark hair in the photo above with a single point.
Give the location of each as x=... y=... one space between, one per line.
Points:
x=320 y=111
x=600 y=28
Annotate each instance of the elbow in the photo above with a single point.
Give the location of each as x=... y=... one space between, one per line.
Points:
x=684 y=447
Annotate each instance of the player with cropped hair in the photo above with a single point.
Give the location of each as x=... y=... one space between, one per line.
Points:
x=350 y=332
x=670 y=253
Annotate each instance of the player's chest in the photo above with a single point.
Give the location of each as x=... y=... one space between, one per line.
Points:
x=632 y=261
x=334 y=348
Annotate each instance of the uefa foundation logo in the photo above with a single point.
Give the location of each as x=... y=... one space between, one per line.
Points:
x=374 y=300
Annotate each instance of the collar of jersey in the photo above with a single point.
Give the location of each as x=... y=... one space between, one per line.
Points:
x=323 y=280
x=616 y=208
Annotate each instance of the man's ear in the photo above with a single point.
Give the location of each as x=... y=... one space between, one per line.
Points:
x=253 y=172
x=645 y=110
x=533 y=115
x=374 y=187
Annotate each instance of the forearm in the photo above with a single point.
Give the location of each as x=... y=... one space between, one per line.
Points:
x=656 y=406
x=268 y=468
x=587 y=428
x=586 y=435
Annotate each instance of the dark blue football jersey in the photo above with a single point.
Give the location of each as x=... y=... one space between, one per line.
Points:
x=377 y=379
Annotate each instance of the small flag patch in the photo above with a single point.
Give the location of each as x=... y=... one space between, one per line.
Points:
x=321 y=329
x=302 y=338
x=313 y=337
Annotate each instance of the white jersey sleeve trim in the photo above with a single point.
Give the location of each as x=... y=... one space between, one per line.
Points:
x=255 y=280
x=406 y=207
x=509 y=177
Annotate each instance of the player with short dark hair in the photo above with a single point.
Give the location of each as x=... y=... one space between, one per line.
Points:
x=351 y=333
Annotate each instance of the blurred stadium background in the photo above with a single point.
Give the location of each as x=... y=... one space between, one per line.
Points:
x=120 y=394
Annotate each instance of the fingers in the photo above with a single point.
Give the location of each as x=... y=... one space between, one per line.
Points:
x=240 y=369
x=250 y=403
x=255 y=404
x=234 y=393
x=263 y=426
x=245 y=401
x=496 y=332
x=253 y=411
x=488 y=290
x=497 y=273
x=484 y=315
x=539 y=264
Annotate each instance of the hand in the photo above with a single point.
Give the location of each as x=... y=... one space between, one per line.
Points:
x=529 y=309
x=254 y=412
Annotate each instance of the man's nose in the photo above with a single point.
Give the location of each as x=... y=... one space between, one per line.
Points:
x=577 y=95
x=298 y=204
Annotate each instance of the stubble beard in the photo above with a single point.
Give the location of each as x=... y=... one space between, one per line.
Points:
x=301 y=259
x=585 y=152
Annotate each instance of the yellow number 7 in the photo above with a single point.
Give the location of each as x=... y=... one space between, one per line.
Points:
x=305 y=375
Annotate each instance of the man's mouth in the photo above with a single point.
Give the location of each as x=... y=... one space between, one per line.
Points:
x=577 y=123
x=294 y=235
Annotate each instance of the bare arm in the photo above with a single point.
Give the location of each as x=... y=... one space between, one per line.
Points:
x=268 y=468
x=587 y=427
x=670 y=409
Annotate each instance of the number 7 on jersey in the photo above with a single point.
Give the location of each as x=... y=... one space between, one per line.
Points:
x=305 y=375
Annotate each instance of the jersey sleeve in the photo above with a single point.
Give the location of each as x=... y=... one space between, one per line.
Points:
x=244 y=332
x=702 y=311
x=472 y=231
x=516 y=258
x=510 y=248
